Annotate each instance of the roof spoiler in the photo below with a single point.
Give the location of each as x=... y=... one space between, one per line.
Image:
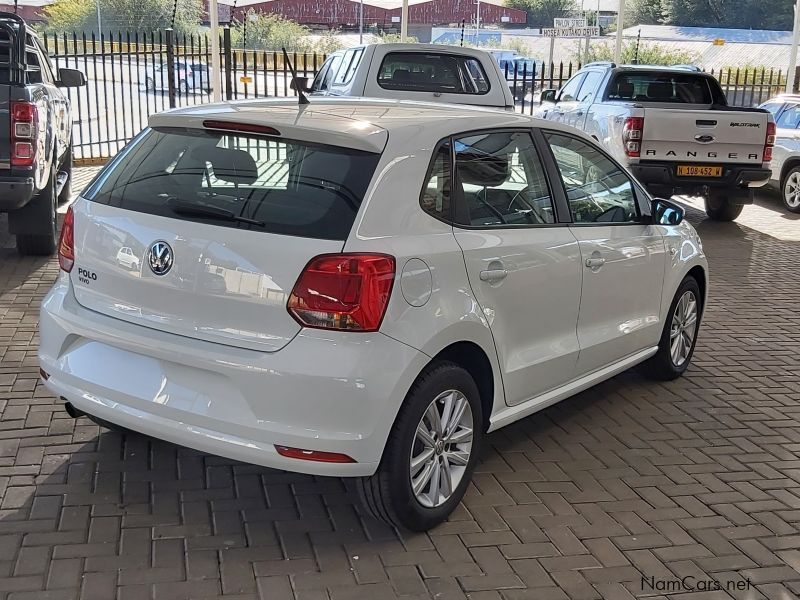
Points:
x=14 y=27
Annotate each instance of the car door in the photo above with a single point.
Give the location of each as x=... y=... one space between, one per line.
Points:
x=62 y=124
x=566 y=99
x=575 y=112
x=523 y=265
x=622 y=254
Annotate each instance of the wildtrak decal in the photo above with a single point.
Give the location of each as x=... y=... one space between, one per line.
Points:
x=742 y=124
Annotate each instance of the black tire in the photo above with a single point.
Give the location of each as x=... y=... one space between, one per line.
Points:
x=790 y=190
x=720 y=208
x=387 y=495
x=42 y=244
x=66 y=167
x=661 y=366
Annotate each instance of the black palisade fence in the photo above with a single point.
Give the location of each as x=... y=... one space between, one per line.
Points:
x=131 y=75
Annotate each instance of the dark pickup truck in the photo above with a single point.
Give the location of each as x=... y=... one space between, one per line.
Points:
x=35 y=137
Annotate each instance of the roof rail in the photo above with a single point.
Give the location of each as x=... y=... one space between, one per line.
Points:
x=694 y=68
x=601 y=63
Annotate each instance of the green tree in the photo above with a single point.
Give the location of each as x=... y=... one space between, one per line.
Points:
x=122 y=15
x=645 y=12
x=542 y=12
x=743 y=14
x=260 y=31
x=647 y=54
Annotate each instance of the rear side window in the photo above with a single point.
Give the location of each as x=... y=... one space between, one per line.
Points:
x=232 y=180
x=432 y=72
x=673 y=88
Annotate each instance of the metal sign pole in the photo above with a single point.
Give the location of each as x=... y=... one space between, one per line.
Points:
x=361 y=23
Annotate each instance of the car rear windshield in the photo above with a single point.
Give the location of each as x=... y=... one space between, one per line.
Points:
x=233 y=180
x=674 y=88
x=432 y=72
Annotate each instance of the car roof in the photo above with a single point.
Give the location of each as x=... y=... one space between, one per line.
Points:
x=359 y=123
x=438 y=48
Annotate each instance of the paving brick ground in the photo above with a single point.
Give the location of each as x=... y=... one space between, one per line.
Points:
x=617 y=493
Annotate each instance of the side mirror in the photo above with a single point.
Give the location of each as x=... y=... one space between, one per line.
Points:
x=71 y=78
x=548 y=96
x=302 y=82
x=666 y=212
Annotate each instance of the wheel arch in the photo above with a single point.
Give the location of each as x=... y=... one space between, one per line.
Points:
x=472 y=358
x=790 y=164
x=699 y=274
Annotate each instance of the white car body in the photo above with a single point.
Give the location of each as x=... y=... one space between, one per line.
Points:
x=208 y=356
x=358 y=72
x=786 y=155
x=190 y=77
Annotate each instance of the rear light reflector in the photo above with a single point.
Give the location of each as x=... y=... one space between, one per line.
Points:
x=346 y=292
x=769 y=143
x=313 y=455
x=24 y=117
x=66 y=243
x=632 y=133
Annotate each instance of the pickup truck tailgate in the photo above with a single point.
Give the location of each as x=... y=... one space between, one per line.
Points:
x=707 y=136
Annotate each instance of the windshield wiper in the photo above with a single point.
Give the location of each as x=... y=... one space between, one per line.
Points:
x=191 y=209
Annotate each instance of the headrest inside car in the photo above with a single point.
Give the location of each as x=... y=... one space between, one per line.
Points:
x=233 y=166
x=625 y=90
x=660 y=90
x=483 y=170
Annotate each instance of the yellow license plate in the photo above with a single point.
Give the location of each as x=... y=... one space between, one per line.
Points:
x=699 y=171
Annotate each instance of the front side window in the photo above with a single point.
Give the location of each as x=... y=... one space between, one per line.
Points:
x=436 y=193
x=597 y=189
x=261 y=184
x=590 y=85
x=569 y=93
x=502 y=181
x=790 y=118
x=349 y=66
x=432 y=72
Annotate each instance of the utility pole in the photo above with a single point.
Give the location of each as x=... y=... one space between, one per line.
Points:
x=216 y=70
x=99 y=24
x=361 y=23
x=790 y=76
x=404 y=22
x=478 y=22
x=620 y=25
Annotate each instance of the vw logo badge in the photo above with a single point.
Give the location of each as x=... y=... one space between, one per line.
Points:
x=159 y=257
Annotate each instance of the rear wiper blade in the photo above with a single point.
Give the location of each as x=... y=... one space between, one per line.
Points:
x=191 y=209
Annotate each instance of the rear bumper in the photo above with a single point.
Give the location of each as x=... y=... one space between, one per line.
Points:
x=323 y=391
x=15 y=192
x=734 y=176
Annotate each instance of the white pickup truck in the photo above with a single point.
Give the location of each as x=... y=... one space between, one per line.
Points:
x=428 y=72
x=672 y=127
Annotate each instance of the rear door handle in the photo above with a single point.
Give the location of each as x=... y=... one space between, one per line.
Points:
x=493 y=275
x=595 y=263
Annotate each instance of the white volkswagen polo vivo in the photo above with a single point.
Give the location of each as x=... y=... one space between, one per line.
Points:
x=361 y=288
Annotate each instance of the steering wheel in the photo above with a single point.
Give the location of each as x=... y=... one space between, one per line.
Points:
x=530 y=208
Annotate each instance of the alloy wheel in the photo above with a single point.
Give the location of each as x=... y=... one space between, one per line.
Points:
x=683 y=328
x=791 y=190
x=441 y=449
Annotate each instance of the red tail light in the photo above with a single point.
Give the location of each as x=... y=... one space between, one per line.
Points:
x=24 y=124
x=348 y=292
x=66 y=243
x=769 y=143
x=632 y=132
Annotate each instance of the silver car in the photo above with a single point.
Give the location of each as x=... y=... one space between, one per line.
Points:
x=786 y=153
x=190 y=77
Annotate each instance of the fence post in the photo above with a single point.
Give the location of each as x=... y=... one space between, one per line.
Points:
x=171 y=67
x=226 y=50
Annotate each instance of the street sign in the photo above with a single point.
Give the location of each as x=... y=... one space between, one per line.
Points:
x=575 y=32
x=568 y=23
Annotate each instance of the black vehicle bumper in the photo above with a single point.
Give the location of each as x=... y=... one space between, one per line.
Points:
x=15 y=192
x=736 y=178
